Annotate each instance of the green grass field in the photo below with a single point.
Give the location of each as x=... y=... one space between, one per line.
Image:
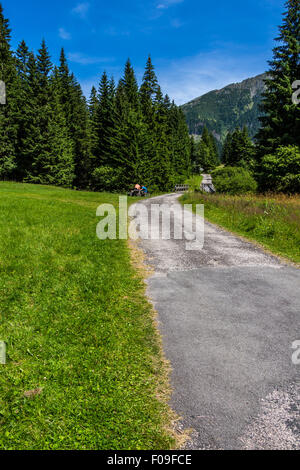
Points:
x=273 y=221
x=84 y=366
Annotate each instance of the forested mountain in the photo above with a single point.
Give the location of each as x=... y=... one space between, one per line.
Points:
x=221 y=111
x=50 y=134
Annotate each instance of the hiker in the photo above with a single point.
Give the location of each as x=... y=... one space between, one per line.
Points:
x=136 y=191
x=145 y=190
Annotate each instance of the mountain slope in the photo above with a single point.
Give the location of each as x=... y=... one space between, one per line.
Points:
x=223 y=110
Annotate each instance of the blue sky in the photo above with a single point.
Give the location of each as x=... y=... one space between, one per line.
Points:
x=196 y=45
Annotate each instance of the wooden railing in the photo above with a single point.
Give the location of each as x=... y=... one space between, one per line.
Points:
x=179 y=188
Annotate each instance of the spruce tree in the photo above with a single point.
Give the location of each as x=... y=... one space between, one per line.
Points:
x=130 y=87
x=147 y=92
x=209 y=140
x=129 y=142
x=194 y=155
x=39 y=141
x=226 y=152
x=93 y=123
x=8 y=126
x=239 y=149
x=30 y=136
x=78 y=127
x=61 y=165
x=76 y=115
x=23 y=108
x=281 y=119
x=105 y=122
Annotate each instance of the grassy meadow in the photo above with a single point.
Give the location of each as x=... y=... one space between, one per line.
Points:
x=272 y=220
x=84 y=367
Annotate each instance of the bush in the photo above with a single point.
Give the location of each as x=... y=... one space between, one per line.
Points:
x=194 y=182
x=106 y=178
x=281 y=171
x=233 y=180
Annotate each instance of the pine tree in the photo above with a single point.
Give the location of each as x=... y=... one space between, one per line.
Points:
x=208 y=157
x=161 y=161
x=281 y=119
x=23 y=105
x=8 y=127
x=130 y=87
x=29 y=136
x=39 y=141
x=61 y=166
x=105 y=122
x=147 y=92
x=194 y=155
x=22 y=56
x=93 y=123
x=239 y=149
x=78 y=127
x=205 y=160
x=44 y=67
x=129 y=142
x=226 y=152
x=181 y=159
x=209 y=140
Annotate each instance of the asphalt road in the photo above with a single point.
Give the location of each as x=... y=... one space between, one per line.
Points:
x=229 y=315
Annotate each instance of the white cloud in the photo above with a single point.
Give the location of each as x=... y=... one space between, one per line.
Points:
x=164 y=4
x=190 y=77
x=64 y=34
x=81 y=9
x=82 y=59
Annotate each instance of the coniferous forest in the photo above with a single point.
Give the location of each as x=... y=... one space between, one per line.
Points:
x=50 y=133
x=126 y=133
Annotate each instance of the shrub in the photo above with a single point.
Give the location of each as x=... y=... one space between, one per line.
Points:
x=233 y=180
x=281 y=171
x=194 y=182
x=106 y=178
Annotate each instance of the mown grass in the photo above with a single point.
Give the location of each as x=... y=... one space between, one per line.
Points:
x=273 y=220
x=80 y=333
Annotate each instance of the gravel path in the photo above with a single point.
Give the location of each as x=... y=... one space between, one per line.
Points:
x=229 y=315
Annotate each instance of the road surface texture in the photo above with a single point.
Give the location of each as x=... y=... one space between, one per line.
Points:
x=229 y=315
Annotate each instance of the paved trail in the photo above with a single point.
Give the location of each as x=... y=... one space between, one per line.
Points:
x=229 y=315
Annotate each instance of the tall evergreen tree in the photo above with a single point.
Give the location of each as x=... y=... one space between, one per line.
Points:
x=8 y=125
x=75 y=110
x=93 y=122
x=239 y=149
x=130 y=87
x=194 y=155
x=281 y=119
x=40 y=144
x=105 y=122
x=129 y=139
x=209 y=140
x=29 y=136
x=78 y=127
x=148 y=91
x=226 y=151
x=23 y=115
